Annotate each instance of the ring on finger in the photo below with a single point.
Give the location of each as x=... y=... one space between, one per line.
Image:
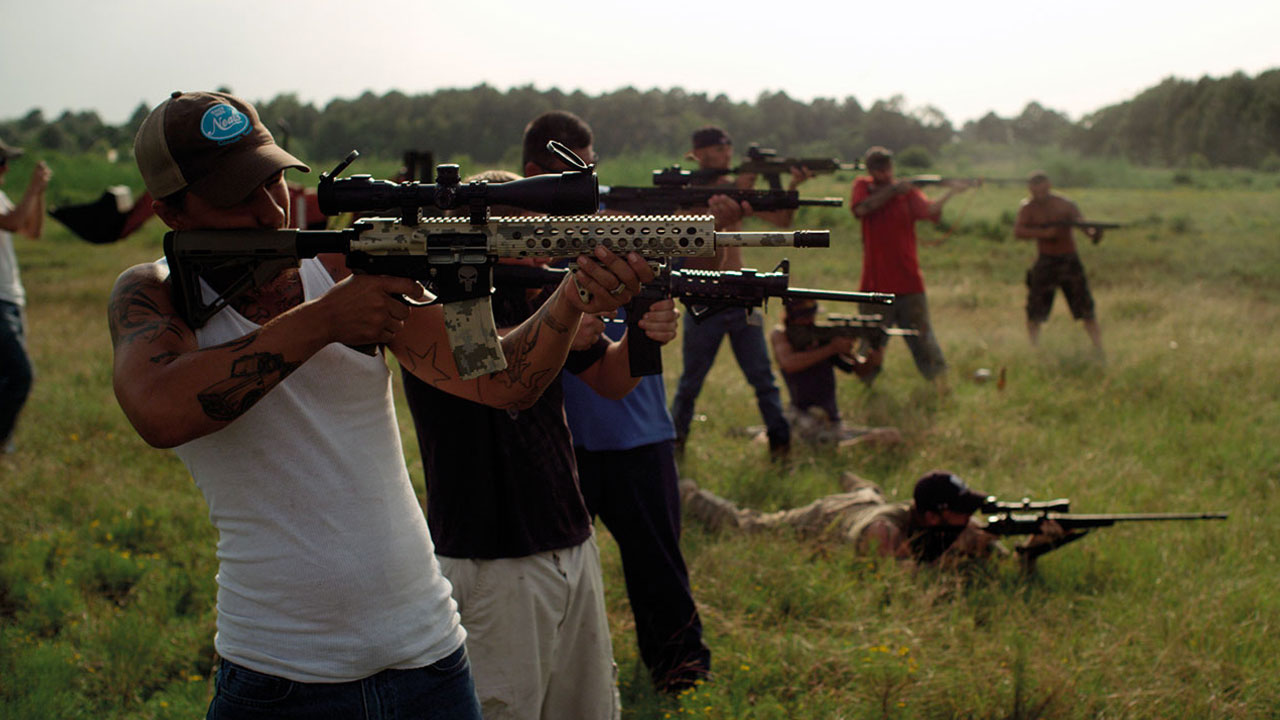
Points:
x=622 y=287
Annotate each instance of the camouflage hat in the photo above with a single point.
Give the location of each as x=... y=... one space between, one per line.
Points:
x=210 y=143
x=9 y=152
x=941 y=490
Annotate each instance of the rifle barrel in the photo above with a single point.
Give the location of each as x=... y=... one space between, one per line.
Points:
x=874 y=298
x=1136 y=517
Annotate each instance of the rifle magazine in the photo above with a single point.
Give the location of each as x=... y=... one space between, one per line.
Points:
x=474 y=338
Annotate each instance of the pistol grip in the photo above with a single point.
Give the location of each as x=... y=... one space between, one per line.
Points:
x=644 y=354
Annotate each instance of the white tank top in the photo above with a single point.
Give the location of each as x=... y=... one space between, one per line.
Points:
x=326 y=571
x=10 y=284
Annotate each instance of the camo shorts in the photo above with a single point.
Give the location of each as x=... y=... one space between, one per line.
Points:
x=1058 y=271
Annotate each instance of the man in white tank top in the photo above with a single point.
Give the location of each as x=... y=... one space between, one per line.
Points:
x=330 y=601
x=26 y=218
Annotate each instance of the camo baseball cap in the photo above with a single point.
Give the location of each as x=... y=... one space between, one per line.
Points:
x=940 y=490
x=210 y=143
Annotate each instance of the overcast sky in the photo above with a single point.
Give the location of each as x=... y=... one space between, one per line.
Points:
x=965 y=58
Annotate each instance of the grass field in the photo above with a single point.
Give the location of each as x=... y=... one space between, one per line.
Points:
x=106 y=553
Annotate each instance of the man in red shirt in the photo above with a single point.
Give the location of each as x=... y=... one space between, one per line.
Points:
x=889 y=209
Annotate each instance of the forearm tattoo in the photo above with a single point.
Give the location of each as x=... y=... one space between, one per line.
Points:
x=425 y=365
x=519 y=346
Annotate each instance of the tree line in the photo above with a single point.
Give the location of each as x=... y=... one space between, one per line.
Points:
x=1232 y=121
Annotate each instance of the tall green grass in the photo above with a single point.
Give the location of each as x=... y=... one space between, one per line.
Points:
x=106 y=553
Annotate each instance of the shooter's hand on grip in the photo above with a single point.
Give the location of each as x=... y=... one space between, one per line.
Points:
x=660 y=322
x=363 y=310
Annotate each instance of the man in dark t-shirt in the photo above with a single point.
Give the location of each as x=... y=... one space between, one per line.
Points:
x=809 y=373
x=513 y=534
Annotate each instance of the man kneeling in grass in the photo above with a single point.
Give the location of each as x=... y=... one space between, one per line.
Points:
x=937 y=526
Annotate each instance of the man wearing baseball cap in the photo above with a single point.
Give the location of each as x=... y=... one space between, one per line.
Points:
x=329 y=593
x=809 y=374
x=26 y=218
x=713 y=151
x=937 y=526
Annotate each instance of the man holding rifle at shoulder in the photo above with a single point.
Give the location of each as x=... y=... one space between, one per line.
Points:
x=809 y=373
x=713 y=150
x=889 y=209
x=627 y=472
x=330 y=596
x=1048 y=218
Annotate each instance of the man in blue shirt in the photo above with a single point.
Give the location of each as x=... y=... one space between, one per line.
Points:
x=627 y=473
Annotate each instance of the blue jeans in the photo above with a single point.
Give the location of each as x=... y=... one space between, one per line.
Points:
x=15 y=369
x=442 y=690
x=701 y=342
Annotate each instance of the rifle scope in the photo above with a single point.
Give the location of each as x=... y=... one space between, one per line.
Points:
x=576 y=192
x=995 y=505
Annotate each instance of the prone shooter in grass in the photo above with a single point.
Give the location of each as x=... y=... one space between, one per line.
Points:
x=936 y=527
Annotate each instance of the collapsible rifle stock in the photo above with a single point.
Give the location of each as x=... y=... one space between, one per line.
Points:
x=861 y=327
x=453 y=257
x=704 y=291
x=675 y=190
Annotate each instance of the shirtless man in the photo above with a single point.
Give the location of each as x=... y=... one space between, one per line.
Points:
x=1044 y=217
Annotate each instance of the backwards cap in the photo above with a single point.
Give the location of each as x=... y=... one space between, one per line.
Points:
x=210 y=143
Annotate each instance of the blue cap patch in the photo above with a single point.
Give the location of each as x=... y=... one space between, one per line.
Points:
x=224 y=124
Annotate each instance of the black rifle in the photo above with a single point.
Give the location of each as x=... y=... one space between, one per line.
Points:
x=1086 y=225
x=453 y=257
x=765 y=162
x=862 y=327
x=705 y=292
x=1026 y=517
x=675 y=190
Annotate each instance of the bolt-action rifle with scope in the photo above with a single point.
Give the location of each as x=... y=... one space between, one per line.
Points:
x=1026 y=517
x=453 y=257
x=870 y=328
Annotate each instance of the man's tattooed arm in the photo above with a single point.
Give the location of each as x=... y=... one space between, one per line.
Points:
x=535 y=351
x=134 y=314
